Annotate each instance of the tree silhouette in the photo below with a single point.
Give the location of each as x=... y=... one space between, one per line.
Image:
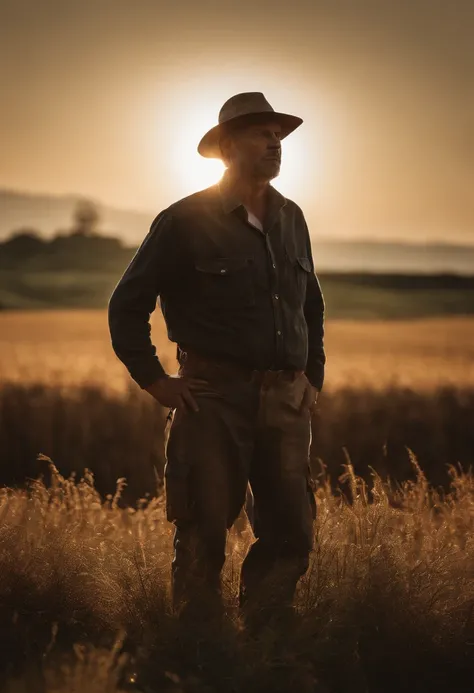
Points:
x=86 y=218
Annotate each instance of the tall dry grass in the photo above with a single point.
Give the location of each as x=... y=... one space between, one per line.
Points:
x=386 y=605
x=121 y=435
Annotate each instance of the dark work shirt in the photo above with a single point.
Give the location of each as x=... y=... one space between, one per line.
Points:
x=227 y=289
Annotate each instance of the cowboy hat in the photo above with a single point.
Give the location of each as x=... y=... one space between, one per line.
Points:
x=240 y=109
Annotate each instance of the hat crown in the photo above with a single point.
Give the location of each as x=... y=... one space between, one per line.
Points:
x=237 y=108
x=244 y=104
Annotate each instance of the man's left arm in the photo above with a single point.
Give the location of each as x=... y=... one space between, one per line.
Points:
x=314 y=308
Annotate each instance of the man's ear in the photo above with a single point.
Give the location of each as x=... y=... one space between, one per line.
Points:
x=224 y=143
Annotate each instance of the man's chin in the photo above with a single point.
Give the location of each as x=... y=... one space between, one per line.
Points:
x=272 y=171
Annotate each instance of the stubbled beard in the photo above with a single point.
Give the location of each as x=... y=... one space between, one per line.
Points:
x=268 y=170
x=261 y=170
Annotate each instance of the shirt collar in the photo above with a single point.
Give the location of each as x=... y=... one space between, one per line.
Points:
x=230 y=200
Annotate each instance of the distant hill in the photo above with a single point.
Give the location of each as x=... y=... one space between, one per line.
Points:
x=48 y=214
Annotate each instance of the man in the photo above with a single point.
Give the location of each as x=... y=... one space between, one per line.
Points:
x=233 y=267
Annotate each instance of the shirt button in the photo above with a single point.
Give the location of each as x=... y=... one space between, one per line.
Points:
x=277 y=296
x=223 y=271
x=278 y=332
x=274 y=266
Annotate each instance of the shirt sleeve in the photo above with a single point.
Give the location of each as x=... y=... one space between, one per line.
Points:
x=134 y=300
x=314 y=309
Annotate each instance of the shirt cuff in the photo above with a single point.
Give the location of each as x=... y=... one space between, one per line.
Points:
x=316 y=376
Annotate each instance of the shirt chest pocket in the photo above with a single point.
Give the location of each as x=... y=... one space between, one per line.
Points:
x=226 y=280
x=301 y=271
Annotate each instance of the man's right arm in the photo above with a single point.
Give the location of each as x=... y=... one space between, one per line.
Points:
x=134 y=299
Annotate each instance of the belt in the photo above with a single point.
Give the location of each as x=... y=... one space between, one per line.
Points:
x=192 y=363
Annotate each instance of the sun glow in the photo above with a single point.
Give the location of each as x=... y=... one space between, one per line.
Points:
x=192 y=171
x=292 y=166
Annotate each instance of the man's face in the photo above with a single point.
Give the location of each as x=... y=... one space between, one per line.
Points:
x=255 y=150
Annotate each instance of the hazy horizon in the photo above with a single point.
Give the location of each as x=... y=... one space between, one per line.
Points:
x=108 y=100
x=113 y=221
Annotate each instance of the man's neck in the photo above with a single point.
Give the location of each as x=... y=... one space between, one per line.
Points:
x=251 y=191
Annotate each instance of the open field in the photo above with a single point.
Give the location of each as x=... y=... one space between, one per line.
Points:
x=72 y=347
x=388 y=385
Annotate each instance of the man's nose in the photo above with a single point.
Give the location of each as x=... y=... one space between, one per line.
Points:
x=274 y=145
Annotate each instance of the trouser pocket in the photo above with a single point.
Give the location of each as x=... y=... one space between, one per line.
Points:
x=177 y=471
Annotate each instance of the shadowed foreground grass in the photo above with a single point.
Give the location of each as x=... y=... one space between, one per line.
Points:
x=387 y=604
x=121 y=435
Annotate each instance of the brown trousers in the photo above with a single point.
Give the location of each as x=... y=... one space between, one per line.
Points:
x=255 y=428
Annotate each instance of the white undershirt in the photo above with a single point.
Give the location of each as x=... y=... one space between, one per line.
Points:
x=253 y=220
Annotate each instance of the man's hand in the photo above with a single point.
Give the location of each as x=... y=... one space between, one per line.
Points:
x=173 y=392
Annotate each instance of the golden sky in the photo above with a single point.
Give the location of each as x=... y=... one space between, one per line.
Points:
x=108 y=98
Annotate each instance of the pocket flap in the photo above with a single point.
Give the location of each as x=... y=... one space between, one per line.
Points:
x=305 y=263
x=222 y=265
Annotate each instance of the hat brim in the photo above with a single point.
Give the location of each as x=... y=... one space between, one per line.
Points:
x=209 y=147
